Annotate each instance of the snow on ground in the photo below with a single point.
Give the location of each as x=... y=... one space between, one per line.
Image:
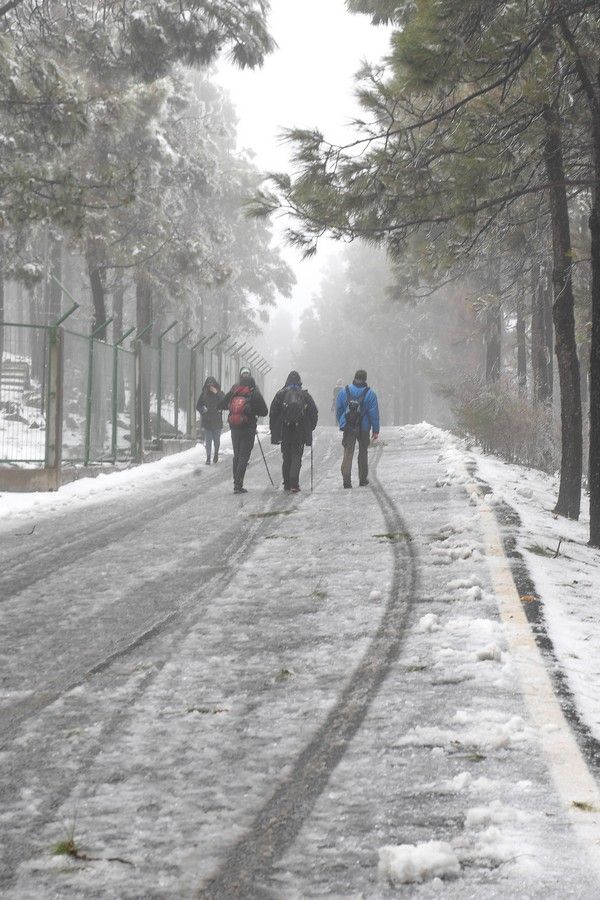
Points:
x=567 y=578
x=104 y=488
x=166 y=758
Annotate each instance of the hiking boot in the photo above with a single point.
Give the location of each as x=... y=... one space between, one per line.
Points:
x=207 y=461
x=240 y=490
x=294 y=490
x=363 y=483
x=347 y=484
x=216 y=457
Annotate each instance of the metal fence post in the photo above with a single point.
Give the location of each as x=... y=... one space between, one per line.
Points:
x=88 y=396
x=115 y=398
x=138 y=403
x=159 y=386
x=177 y=346
x=54 y=405
x=192 y=428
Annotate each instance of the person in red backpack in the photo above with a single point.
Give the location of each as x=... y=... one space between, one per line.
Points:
x=245 y=403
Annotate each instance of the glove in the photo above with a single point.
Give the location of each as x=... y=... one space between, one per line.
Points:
x=375 y=435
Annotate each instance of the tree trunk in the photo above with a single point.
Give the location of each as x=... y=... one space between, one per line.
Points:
x=569 y=495
x=143 y=305
x=521 y=347
x=493 y=325
x=546 y=288
x=55 y=293
x=143 y=309
x=594 y=368
x=2 y=313
x=117 y=311
x=97 y=285
x=539 y=366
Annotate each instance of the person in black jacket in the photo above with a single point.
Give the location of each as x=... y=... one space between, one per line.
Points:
x=212 y=417
x=245 y=403
x=293 y=418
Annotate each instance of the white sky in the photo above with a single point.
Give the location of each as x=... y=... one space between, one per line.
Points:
x=307 y=82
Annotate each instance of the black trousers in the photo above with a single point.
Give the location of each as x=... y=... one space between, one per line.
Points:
x=242 y=441
x=349 y=442
x=292 y=450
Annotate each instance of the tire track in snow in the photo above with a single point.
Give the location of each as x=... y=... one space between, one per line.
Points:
x=240 y=541
x=17 y=848
x=247 y=867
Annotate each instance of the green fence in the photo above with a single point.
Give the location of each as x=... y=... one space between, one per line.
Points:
x=111 y=400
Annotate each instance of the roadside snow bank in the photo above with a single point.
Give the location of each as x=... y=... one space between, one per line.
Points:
x=105 y=487
x=565 y=573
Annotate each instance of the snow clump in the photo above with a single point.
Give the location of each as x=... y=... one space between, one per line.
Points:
x=410 y=863
x=492 y=652
x=429 y=623
x=375 y=595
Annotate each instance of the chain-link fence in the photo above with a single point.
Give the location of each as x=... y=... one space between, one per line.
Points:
x=76 y=360
x=24 y=364
x=110 y=401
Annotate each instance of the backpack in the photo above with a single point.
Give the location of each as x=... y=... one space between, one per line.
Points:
x=354 y=411
x=240 y=407
x=293 y=407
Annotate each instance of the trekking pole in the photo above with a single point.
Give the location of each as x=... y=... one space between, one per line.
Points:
x=311 y=469
x=264 y=459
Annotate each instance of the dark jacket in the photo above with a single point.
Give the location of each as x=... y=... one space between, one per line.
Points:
x=281 y=433
x=257 y=403
x=208 y=404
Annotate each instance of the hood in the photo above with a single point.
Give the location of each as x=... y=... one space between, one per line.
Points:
x=293 y=378
x=211 y=382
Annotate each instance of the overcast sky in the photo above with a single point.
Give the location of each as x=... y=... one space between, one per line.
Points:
x=308 y=81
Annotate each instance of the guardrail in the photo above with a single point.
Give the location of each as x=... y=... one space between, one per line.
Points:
x=71 y=398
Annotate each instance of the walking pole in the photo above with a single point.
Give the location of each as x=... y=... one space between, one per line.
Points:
x=311 y=469
x=264 y=459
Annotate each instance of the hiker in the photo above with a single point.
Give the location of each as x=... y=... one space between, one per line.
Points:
x=211 y=416
x=357 y=413
x=336 y=391
x=244 y=402
x=292 y=419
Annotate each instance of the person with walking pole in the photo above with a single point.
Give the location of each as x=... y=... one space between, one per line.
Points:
x=245 y=403
x=264 y=460
x=293 y=418
x=357 y=412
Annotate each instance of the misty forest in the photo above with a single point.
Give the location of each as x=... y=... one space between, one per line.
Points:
x=392 y=692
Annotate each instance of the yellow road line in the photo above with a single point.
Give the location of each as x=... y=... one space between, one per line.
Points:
x=568 y=768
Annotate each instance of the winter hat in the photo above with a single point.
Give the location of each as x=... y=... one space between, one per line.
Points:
x=244 y=372
x=293 y=378
x=360 y=375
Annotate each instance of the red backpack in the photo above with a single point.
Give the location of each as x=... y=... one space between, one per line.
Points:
x=240 y=407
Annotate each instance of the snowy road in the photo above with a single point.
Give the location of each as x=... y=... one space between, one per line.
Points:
x=250 y=698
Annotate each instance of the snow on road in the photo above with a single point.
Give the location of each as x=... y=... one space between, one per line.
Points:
x=178 y=694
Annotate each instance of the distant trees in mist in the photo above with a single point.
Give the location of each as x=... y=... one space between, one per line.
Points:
x=119 y=174
x=476 y=164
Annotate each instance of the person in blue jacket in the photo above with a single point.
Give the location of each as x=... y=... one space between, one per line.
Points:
x=357 y=413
